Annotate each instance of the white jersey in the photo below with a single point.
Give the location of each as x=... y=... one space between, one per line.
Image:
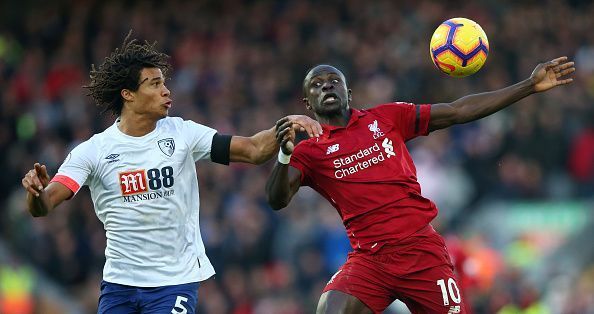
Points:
x=145 y=192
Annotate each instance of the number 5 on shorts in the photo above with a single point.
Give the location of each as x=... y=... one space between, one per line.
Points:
x=452 y=289
x=179 y=305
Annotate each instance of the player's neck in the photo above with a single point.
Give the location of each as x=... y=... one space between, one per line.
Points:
x=341 y=119
x=136 y=125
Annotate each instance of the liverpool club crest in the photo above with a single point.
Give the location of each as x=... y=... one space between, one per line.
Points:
x=167 y=146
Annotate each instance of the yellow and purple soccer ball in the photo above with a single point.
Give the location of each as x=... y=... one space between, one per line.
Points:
x=459 y=47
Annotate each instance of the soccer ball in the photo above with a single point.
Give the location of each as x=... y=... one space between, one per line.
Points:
x=459 y=47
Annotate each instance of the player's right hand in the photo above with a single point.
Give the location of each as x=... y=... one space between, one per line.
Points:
x=285 y=135
x=36 y=179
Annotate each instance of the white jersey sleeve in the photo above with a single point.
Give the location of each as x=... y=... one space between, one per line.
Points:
x=78 y=166
x=198 y=138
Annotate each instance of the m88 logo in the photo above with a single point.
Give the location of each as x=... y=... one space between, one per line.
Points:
x=140 y=181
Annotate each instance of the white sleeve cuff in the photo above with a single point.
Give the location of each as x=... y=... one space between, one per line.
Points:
x=283 y=158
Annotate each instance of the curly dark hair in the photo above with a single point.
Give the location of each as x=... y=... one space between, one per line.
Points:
x=121 y=70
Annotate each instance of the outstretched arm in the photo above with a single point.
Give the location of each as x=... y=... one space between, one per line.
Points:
x=262 y=146
x=473 y=107
x=43 y=196
x=284 y=181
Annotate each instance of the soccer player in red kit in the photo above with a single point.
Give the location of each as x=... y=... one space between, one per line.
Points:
x=361 y=165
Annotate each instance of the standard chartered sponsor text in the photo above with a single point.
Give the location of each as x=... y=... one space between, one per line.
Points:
x=358 y=161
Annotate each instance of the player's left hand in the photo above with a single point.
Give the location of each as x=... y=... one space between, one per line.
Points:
x=553 y=73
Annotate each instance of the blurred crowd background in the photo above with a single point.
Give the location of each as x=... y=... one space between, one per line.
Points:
x=515 y=190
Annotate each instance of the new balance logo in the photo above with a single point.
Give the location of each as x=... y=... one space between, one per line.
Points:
x=332 y=149
x=454 y=309
x=377 y=133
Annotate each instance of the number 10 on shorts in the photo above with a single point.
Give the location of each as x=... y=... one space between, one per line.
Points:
x=452 y=288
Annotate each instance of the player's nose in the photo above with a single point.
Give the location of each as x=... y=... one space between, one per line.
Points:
x=327 y=86
x=166 y=91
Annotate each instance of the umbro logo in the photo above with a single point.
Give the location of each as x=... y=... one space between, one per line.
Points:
x=112 y=158
x=332 y=149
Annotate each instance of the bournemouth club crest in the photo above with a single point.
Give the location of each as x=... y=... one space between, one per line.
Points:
x=167 y=146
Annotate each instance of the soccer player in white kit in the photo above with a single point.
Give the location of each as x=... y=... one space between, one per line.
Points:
x=142 y=177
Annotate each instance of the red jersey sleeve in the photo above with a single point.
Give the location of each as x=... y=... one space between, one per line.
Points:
x=300 y=161
x=412 y=120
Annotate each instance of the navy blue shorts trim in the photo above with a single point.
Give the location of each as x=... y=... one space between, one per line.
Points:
x=122 y=299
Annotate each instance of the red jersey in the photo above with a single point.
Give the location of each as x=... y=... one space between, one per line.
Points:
x=365 y=171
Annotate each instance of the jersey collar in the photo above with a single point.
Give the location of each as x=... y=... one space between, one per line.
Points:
x=355 y=115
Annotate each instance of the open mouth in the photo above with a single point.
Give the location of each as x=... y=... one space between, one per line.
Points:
x=168 y=104
x=330 y=98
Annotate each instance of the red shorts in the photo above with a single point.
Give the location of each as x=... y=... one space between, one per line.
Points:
x=418 y=272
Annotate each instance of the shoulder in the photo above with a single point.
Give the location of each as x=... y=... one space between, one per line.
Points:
x=396 y=111
x=102 y=141
x=91 y=145
x=170 y=123
x=183 y=125
x=87 y=152
x=392 y=106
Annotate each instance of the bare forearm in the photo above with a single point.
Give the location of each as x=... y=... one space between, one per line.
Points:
x=255 y=149
x=474 y=107
x=278 y=187
x=545 y=76
x=43 y=195
x=39 y=206
x=266 y=145
x=262 y=146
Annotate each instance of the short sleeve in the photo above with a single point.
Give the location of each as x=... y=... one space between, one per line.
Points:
x=77 y=167
x=300 y=161
x=410 y=119
x=199 y=139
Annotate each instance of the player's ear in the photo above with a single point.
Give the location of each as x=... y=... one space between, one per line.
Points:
x=307 y=106
x=127 y=94
x=350 y=92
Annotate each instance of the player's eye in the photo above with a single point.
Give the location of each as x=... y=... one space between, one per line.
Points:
x=316 y=84
x=335 y=81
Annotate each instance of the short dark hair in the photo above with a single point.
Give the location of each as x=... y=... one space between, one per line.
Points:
x=310 y=70
x=121 y=70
